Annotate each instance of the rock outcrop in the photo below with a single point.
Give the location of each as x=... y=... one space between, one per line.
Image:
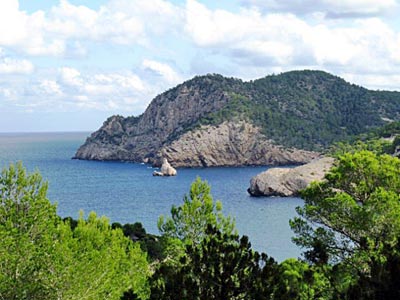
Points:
x=140 y=139
x=231 y=144
x=166 y=169
x=285 y=182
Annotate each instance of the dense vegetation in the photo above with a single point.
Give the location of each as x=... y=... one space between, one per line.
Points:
x=42 y=257
x=308 y=109
x=381 y=140
x=349 y=228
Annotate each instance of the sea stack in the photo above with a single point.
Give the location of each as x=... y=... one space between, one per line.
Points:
x=166 y=169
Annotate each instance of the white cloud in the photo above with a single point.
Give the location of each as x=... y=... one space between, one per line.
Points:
x=249 y=35
x=375 y=81
x=8 y=93
x=163 y=70
x=101 y=83
x=50 y=87
x=80 y=22
x=156 y=16
x=250 y=38
x=26 y=32
x=330 y=8
x=71 y=89
x=81 y=98
x=102 y=91
x=113 y=83
x=252 y=41
x=15 y=66
x=12 y=23
x=66 y=25
x=71 y=76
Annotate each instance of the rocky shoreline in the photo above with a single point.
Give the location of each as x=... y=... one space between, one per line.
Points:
x=287 y=182
x=226 y=145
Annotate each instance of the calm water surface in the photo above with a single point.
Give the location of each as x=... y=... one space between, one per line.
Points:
x=128 y=193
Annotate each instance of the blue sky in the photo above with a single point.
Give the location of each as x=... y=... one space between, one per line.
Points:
x=67 y=65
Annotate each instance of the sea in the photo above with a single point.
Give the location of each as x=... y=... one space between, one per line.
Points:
x=128 y=193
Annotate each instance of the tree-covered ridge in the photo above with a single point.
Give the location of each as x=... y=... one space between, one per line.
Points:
x=308 y=109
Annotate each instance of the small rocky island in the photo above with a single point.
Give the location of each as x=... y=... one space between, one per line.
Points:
x=211 y=120
x=166 y=169
x=286 y=182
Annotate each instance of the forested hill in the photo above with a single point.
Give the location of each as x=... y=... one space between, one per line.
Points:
x=298 y=110
x=310 y=109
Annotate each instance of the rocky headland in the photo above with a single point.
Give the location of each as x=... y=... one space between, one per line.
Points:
x=217 y=121
x=286 y=182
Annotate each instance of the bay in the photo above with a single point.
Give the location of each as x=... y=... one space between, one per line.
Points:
x=128 y=193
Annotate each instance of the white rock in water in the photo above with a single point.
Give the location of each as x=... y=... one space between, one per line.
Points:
x=166 y=168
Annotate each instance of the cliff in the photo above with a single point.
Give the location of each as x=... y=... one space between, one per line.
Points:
x=231 y=144
x=216 y=121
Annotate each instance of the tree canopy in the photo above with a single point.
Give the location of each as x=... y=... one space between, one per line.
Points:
x=213 y=262
x=42 y=257
x=353 y=218
x=349 y=227
x=188 y=222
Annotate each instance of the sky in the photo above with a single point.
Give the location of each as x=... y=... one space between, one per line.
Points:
x=67 y=65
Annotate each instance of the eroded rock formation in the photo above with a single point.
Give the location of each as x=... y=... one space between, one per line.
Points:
x=287 y=182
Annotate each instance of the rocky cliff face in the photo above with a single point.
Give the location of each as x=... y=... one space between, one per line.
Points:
x=285 y=182
x=230 y=144
x=169 y=114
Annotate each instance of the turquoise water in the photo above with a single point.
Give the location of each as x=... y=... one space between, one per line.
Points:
x=128 y=193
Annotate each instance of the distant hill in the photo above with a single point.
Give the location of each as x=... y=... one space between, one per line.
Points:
x=213 y=120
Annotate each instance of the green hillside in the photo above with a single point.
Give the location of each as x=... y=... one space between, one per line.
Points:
x=306 y=109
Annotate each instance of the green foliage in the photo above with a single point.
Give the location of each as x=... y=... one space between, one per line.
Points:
x=238 y=108
x=387 y=131
x=187 y=227
x=377 y=146
x=189 y=221
x=298 y=280
x=221 y=266
x=349 y=227
x=42 y=257
x=353 y=217
x=380 y=140
x=28 y=223
x=149 y=243
x=306 y=109
x=205 y=257
x=98 y=262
